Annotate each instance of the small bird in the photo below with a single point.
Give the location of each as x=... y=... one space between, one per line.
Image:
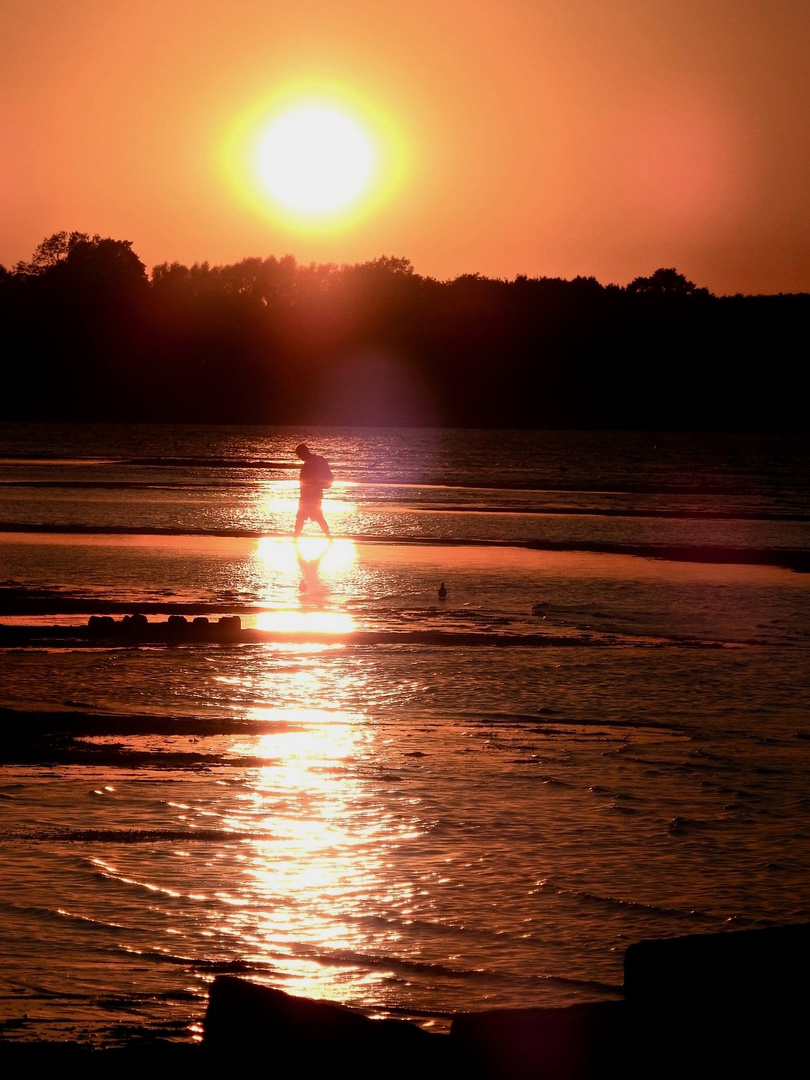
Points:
x=442 y=592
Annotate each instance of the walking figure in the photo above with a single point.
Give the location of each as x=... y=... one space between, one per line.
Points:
x=316 y=477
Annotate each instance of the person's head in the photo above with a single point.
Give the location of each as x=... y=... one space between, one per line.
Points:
x=303 y=451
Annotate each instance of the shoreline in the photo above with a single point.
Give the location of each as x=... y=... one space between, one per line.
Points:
x=134 y=630
x=787 y=558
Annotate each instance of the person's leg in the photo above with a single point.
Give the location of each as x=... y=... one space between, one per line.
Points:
x=300 y=518
x=315 y=513
x=319 y=519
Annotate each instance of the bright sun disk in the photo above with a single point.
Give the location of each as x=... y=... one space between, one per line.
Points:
x=315 y=159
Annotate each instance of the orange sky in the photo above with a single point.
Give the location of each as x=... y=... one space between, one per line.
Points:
x=539 y=137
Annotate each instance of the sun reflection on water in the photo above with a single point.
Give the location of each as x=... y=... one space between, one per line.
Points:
x=314 y=570
x=313 y=557
x=285 y=553
x=305 y=622
x=308 y=739
x=312 y=897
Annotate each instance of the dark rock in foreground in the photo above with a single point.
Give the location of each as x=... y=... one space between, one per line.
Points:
x=581 y=1042
x=713 y=1006
x=731 y=1004
x=177 y=627
x=316 y=1036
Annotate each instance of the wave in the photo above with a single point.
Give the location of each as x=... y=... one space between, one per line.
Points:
x=24 y=726
x=614 y=903
x=422 y=471
x=397 y=965
x=68 y=835
x=118 y=757
x=538 y=509
x=9 y=457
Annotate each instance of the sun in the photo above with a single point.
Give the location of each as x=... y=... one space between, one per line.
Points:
x=315 y=159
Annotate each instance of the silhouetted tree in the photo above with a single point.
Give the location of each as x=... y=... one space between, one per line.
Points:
x=108 y=264
x=666 y=281
x=51 y=251
x=266 y=340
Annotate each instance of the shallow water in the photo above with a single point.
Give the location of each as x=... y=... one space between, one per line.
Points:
x=576 y=750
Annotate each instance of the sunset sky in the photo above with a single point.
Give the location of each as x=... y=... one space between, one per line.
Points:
x=539 y=137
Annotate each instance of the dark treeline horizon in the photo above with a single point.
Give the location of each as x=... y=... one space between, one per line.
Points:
x=88 y=335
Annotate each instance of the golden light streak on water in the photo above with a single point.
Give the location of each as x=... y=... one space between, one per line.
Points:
x=314 y=567
x=282 y=553
x=334 y=558
x=305 y=622
x=312 y=887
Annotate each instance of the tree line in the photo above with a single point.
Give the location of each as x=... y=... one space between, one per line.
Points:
x=88 y=334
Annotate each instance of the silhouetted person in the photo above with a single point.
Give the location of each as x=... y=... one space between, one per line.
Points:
x=442 y=592
x=315 y=477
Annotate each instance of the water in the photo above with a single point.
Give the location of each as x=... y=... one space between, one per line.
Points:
x=410 y=805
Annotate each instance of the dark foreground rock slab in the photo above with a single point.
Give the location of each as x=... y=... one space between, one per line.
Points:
x=316 y=1037
x=716 y=1005
x=712 y=969
x=711 y=1006
x=581 y=1042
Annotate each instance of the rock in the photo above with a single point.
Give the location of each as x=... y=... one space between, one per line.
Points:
x=246 y=1018
x=719 y=1004
x=581 y=1042
x=229 y=626
x=704 y=969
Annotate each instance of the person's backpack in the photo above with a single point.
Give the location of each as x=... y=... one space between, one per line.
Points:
x=325 y=476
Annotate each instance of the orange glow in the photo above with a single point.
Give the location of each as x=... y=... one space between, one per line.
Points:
x=680 y=162
x=310 y=568
x=509 y=137
x=305 y=622
x=323 y=850
x=280 y=553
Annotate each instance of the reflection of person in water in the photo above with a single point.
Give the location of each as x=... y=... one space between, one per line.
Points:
x=316 y=476
x=311 y=588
